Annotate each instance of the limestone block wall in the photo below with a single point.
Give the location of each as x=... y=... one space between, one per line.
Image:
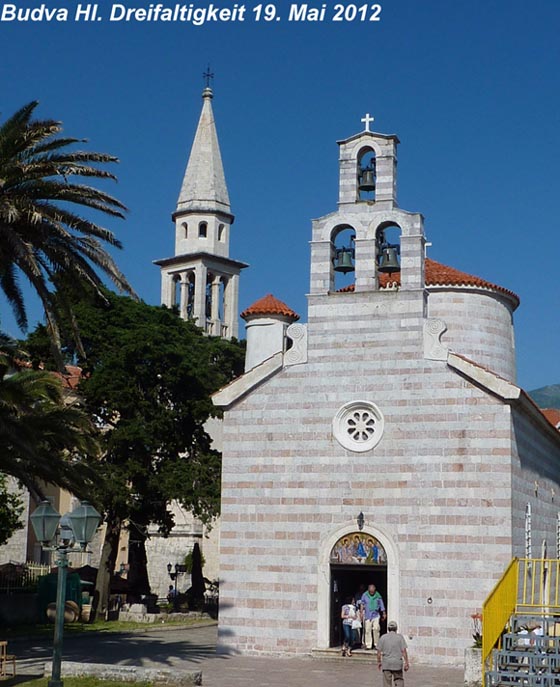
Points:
x=535 y=480
x=479 y=326
x=435 y=490
x=15 y=549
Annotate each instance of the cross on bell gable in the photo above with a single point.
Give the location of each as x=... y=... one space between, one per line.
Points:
x=367 y=120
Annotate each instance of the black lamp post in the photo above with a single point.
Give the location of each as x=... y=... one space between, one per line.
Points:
x=174 y=572
x=76 y=527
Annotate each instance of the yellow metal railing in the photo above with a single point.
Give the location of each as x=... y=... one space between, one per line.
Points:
x=539 y=580
x=529 y=586
x=497 y=609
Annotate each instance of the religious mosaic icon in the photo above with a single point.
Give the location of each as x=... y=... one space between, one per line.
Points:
x=358 y=549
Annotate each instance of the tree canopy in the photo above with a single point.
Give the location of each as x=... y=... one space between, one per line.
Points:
x=42 y=235
x=42 y=437
x=147 y=381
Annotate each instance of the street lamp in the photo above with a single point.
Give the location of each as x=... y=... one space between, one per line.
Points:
x=174 y=574
x=76 y=527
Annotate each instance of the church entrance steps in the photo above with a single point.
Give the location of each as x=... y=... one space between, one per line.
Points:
x=335 y=654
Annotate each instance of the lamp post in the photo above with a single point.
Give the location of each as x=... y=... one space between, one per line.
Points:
x=76 y=527
x=174 y=574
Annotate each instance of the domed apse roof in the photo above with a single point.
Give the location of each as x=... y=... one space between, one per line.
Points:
x=269 y=305
x=442 y=275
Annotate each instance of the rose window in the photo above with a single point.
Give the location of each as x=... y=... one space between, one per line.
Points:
x=358 y=426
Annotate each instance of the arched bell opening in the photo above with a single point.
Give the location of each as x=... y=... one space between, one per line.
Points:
x=176 y=293
x=185 y=227
x=190 y=285
x=209 y=300
x=388 y=250
x=366 y=174
x=343 y=254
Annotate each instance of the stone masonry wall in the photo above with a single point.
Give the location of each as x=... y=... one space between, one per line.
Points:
x=535 y=480
x=15 y=549
x=437 y=486
x=479 y=326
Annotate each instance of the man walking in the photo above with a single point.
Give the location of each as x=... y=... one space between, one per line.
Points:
x=392 y=657
x=373 y=609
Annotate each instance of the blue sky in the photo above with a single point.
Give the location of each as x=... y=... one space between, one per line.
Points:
x=471 y=89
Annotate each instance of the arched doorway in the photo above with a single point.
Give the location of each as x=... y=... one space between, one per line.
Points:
x=357 y=560
x=333 y=565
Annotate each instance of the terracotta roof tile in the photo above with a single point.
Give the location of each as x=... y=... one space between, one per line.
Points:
x=269 y=305
x=442 y=275
x=552 y=415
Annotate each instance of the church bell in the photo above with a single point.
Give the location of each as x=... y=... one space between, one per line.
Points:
x=388 y=260
x=343 y=260
x=367 y=180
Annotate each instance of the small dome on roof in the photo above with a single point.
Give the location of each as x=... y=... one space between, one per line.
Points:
x=269 y=305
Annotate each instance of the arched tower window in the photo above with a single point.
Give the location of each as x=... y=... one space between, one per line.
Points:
x=388 y=249
x=185 y=230
x=190 y=295
x=367 y=173
x=176 y=290
x=343 y=254
x=203 y=230
x=221 y=232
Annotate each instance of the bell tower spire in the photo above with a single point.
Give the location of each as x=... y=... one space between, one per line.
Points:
x=201 y=280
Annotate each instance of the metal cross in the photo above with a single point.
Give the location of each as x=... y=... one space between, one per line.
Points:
x=208 y=75
x=367 y=120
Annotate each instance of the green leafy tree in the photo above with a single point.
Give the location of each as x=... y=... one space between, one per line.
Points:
x=42 y=438
x=148 y=377
x=11 y=509
x=42 y=236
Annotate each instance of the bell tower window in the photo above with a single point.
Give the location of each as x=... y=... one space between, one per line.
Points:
x=343 y=254
x=221 y=232
x=203 y=230
x=185 y=230
x=387 y=239
x=367 y=173
x=176 y=290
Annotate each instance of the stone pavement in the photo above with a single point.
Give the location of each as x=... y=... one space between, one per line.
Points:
x=194 y=648
x=238 y=671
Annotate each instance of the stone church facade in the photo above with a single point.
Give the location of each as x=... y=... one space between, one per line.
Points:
x=384 y=441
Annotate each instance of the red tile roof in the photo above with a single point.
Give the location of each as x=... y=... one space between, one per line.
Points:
x=552 y=415
x=442 y=275
x=269 y=305
x=71 y=377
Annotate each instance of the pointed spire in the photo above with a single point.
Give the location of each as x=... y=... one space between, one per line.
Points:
x=204 y=184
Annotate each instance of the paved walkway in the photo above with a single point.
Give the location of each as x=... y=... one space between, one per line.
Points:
x=191 y=648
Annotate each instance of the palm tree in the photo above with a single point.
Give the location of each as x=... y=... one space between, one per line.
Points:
x=42 y=439
x=42 y=236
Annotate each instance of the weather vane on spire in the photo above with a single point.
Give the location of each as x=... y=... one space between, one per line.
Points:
x=208 y=75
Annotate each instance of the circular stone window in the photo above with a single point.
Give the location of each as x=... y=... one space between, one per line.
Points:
x=358 y=426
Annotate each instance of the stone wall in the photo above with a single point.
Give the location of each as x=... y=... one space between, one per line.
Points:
x=479 y=326
x=535 y=480
x=15 y=549
x=435 y=490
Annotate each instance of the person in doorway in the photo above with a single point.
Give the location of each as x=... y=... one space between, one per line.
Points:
x=392 y=657
x=373 y=609
x=348 y=614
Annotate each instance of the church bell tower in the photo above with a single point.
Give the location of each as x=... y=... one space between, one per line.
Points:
x=201 y=280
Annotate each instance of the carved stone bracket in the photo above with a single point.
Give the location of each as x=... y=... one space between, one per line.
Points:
x=298 y=352
x=433 y=348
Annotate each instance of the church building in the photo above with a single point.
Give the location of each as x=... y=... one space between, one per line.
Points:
x=384 y=441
